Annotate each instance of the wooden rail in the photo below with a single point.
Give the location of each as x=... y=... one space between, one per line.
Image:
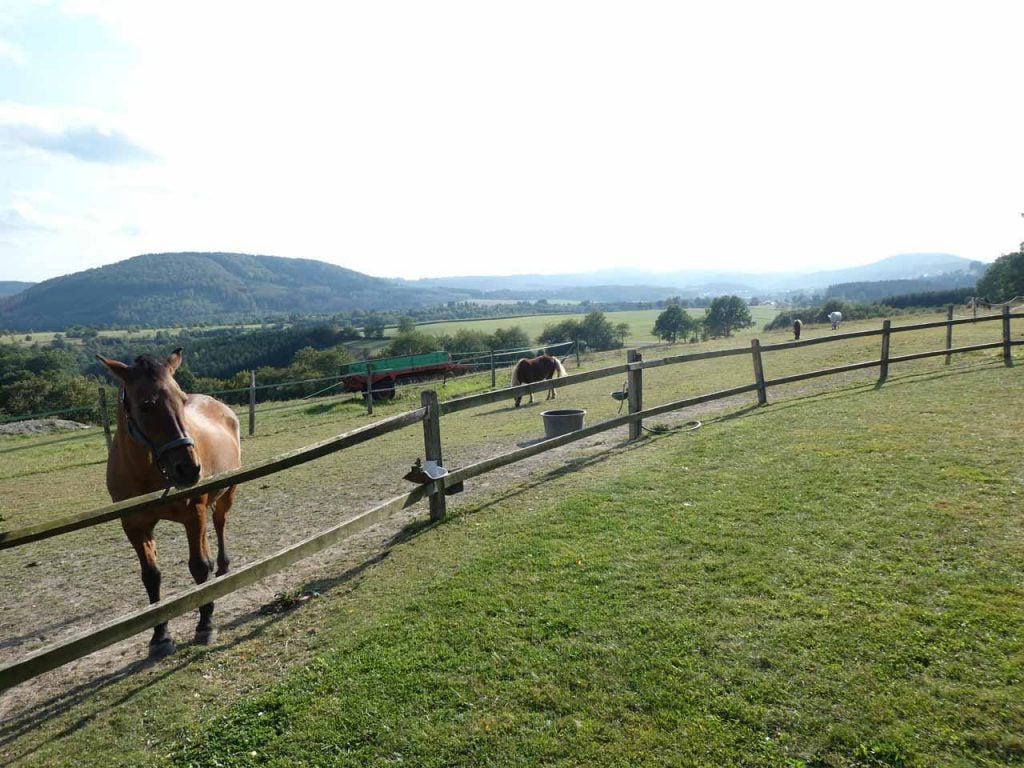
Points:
x=138 y=504
x=429 y=414
x=58 y=654
x=485 y=398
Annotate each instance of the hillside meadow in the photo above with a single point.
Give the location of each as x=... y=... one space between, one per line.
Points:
x=831 y=580
x=640 y=322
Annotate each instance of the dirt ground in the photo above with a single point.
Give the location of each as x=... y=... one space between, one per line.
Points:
x=86 y=592
x=40 y=426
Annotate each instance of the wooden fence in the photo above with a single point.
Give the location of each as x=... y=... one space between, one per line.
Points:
x=429 y=414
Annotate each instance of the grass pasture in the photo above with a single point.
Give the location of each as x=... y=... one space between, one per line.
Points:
x=640 y=322
x=832 y=580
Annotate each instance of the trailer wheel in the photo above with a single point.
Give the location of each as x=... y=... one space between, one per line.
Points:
x=384 y=389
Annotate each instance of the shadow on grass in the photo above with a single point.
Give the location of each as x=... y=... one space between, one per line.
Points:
x=569 y=467
x=257 y=621
x=80 y=695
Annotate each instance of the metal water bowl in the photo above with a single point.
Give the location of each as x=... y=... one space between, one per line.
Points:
x=562 y=421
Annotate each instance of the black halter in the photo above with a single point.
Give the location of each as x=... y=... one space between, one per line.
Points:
x=140 y=437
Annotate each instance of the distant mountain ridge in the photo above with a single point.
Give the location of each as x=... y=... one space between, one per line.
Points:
x=165 y=289
x=710 y=282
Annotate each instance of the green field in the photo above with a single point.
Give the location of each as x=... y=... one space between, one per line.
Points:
x=831 y=580
x=641 y=323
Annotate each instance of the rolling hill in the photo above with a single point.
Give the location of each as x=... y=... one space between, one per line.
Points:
x=189 y=288
x=11 y=287
x=163 y=289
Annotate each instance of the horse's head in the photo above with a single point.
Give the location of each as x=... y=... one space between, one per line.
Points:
x=153 y=406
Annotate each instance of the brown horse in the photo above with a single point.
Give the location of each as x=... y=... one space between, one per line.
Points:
x=534 y=369
x=164 y=438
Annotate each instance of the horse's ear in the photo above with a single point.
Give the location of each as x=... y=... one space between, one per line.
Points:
x=117 y=369
x=174 y=360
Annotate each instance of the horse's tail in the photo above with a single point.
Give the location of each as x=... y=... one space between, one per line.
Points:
x=559 y=369
x=515 y=374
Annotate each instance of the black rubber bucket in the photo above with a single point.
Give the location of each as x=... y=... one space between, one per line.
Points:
x=562 y=421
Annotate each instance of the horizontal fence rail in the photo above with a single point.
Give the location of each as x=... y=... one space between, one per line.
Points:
x=60 y=653
x=138 y=504
x=485 y=398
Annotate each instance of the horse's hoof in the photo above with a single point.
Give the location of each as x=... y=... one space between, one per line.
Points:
x=206 y=636
x=162 y=648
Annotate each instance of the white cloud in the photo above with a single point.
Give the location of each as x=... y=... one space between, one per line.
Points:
x=12 y=53
x=409 y=138
x=82 y=134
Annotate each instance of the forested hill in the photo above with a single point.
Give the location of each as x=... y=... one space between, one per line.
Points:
x=174 y=288
x=11 y=287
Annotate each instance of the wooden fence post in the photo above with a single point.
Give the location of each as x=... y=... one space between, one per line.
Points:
x=883 y=370
x=494 y=372
x=369 y=390
x=635 y=385
x=762 y=389
x=252 y=403
x=432 y=450
x=576 y=346
x=1007 y=358
x=104 y=415
x=949 y=333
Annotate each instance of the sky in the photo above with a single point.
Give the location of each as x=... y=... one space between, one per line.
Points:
x=412 y=139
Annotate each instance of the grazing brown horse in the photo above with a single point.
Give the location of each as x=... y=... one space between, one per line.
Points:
x=797 y=326
x=167 y=438
x=534 y=369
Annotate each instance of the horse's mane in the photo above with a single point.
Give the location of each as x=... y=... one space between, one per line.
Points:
x=515 y=372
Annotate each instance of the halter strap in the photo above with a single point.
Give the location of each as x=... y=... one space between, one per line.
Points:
x=140 y=437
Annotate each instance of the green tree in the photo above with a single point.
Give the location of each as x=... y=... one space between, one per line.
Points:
x=673 y=323
x=315 y=363
x=373 y=327
x=406 y=324
x=413 y=343
x=598 y=332
x=622 y=332
x=509 y=338
x=1004 y=279
x=466 y=340
x=561 y=332
x=725 y=315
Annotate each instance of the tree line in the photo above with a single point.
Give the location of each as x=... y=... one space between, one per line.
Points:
x=38 y=379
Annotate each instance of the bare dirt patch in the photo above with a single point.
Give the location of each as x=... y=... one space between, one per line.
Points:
x=40 y=426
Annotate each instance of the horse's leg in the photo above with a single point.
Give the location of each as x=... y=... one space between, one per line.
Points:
x=200 y=566
x=142 y=539
x=220 y=519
